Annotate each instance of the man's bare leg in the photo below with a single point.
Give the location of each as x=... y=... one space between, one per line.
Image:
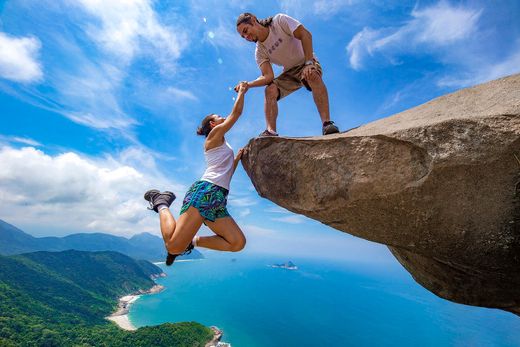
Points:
x=320 y=96
x=271 y=106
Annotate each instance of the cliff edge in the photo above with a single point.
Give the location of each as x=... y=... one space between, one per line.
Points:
x=439 y=184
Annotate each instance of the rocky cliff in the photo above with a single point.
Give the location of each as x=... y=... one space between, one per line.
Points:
x=439 y=184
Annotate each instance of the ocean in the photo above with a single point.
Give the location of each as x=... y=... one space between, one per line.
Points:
x=322 y=303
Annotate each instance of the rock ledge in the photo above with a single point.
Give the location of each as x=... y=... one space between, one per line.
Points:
x=439 y=184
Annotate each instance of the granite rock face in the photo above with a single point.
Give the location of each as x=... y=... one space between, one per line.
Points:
x=439 y=184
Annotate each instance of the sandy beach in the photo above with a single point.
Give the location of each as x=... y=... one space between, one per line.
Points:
x=123 y=322
x=120 y=317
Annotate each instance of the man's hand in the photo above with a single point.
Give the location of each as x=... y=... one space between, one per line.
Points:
x=241 y=87
x=310 y=73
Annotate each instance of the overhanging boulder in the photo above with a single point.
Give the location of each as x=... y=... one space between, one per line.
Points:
x=439 y=184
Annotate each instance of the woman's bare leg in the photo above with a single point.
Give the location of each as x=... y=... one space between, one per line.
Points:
x=228 y=236
x=186 y=227
x=167 y=223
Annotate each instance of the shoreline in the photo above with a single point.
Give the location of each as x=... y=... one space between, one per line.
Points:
x=217 y=335
x=120 y=316
x=178 y=261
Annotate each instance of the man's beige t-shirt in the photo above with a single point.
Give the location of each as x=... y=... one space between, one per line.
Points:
x=281 y=47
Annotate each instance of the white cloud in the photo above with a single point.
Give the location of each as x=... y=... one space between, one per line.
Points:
x=19 y=58
x=294 y=219
x=89 y=95
x=225 y=36
x=359 y=46
x=84 y=89
x=241 y=201
x=303 y=8
x=244 y=212
x=72 y=192
x=129 y=27
x=330 y=7
x=180 y=94
x=443 y=24
x=277 y=209
x=17 y=139
x=432 y=28
x=480 y=74
x=91 y=89
x=239 y=4
x=324 y=243
x=287 y=216
x=141 y=157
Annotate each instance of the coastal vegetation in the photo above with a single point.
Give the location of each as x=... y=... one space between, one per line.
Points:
x=61 y=299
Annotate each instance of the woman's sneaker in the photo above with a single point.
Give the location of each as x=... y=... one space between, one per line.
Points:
x=170 y=258
x=188 y=249
x=156 y=198
x=329 y=128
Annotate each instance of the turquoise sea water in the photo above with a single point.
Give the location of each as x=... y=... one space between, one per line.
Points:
x=323 y=303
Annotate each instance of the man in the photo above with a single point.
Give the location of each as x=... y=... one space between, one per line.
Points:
x=284 y=41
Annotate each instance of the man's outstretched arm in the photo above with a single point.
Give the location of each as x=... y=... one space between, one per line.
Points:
x=264 y=80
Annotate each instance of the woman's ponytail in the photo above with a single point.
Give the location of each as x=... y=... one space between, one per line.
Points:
x=205 y=126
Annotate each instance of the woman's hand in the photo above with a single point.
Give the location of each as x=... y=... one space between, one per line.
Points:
x=241 y=87
x=239 y=154
x=237 y=158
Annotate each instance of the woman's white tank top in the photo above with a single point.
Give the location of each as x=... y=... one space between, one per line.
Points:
x=219 y=161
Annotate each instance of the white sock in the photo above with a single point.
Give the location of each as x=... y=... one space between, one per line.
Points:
x=161 y=207
x=195 y=240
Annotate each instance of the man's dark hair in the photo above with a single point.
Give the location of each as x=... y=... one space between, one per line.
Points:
x=248 y=18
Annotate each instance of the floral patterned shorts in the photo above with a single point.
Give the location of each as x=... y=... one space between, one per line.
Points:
x=208 y=198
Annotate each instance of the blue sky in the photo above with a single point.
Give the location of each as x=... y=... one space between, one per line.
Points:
x=100 y=100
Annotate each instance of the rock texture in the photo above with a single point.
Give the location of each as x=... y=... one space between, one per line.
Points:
x=439 y=184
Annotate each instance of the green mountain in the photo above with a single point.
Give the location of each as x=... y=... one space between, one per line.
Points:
x=141 y=246
x=61 y=299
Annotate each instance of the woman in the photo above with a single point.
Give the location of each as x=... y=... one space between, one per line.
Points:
x=205 y=202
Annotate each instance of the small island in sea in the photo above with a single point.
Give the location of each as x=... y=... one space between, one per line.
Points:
x=289 y=266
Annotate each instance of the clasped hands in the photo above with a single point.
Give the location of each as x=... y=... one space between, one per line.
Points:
x=241 y=87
